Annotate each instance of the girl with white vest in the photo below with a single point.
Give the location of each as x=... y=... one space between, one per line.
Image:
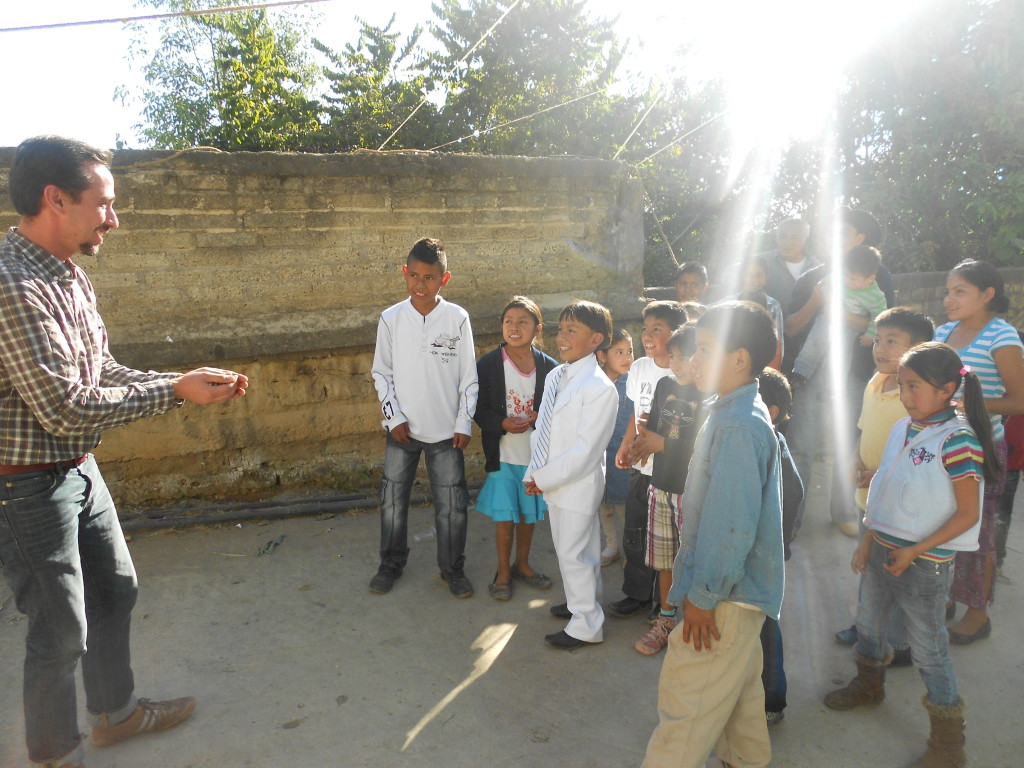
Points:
x=924 y=506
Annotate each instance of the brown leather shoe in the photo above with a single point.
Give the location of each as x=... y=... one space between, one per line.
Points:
x=148 y=716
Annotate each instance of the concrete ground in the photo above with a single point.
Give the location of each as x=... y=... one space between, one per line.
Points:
x=295 y=663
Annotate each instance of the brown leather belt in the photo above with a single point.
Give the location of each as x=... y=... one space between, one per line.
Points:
x=24 y=469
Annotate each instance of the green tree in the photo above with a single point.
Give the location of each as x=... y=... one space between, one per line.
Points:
x=931 y=138
x=542 y=54
x=375 y=85
x=232 y=81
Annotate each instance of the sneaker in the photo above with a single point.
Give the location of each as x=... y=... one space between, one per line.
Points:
x=148 y=716
x=656 y=637
x=385 y=579
x=627 y=606
x=774 y=718
x=655 y=612
x=458 y=584
x=609 y=556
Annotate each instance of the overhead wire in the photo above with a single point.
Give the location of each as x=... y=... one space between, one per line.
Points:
x=681 y=138
x=477 y=134
x=637 y=127
x=451 y=71
x=168 y=15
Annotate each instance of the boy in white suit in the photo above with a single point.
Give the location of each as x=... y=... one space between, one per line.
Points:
x=567 y=465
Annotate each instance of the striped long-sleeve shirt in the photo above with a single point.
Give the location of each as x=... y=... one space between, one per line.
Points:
x=59 y=385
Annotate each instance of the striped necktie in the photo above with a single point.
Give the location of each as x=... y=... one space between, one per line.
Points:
x=539 y=456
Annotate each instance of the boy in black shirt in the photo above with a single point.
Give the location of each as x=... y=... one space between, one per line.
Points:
x=668 y=434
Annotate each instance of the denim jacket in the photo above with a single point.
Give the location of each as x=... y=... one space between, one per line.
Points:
x=731 y=539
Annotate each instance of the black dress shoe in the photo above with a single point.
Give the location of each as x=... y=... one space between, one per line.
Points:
x=561 y=611
x=627 y=606
x=564 y=642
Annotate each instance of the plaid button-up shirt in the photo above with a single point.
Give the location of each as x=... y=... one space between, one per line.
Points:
x=59 y=386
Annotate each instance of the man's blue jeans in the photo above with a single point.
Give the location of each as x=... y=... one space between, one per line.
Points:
x=920 y=593
x=66 y=561
x=447 y=471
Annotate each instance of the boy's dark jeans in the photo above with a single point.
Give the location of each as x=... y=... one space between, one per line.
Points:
x=773 y=674
x=446 y=469
x=637 y=578
x=65 y=559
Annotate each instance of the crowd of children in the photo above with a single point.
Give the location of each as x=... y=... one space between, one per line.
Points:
x=685 y=448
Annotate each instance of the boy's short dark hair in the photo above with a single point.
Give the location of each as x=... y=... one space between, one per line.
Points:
x=692 y=268
x=865 y=224
x=429 y=251
x=45 y=160
x=593 y=315
x=916 y=325
x=775 y=390
x=684 y=339
x=672 y=312
x=743 y=325
x=863 y=260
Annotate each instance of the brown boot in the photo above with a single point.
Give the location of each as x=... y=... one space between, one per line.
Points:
x=946 y=742
x=868 y=687
x=148 y=716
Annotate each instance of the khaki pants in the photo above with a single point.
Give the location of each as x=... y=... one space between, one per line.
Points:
x=713 y=701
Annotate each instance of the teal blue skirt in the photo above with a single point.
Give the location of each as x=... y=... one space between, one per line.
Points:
x=504 y=500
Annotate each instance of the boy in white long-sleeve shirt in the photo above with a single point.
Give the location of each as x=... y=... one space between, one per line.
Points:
x=424 y=369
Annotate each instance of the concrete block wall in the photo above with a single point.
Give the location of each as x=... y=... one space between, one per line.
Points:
x=279 y=265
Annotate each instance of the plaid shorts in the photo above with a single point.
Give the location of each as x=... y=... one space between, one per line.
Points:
x=664 y=520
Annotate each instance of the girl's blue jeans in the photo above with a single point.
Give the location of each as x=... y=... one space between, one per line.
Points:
x=447 y=472
x=66 y=561
x=920 y=593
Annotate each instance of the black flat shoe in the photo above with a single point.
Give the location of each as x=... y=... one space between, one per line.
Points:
x=564 y=642
x=960 y=639
x=561 y=611
x=628 y=606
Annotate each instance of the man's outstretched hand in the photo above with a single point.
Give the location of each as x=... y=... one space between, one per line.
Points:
x=209 y=386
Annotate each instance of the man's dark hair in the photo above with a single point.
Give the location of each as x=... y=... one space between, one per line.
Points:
x=596 y=317
x=429 y=251
x=45 y=160
x=863 y=260
x=684 y=339
x=672 y=312
x=916 y=325
x=865 y=224
x=742 y=325
x=775 y=390
x=692 y=268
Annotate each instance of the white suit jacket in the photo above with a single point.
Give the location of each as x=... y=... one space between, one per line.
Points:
x=582 y=420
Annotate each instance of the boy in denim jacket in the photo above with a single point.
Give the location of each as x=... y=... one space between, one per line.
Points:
x=728 y=574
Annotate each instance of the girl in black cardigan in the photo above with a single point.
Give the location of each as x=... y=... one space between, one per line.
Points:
x=511 y=385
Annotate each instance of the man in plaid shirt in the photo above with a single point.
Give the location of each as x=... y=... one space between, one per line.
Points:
x=61 y=546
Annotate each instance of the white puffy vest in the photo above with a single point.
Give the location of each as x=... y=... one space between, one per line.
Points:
x=911 y=495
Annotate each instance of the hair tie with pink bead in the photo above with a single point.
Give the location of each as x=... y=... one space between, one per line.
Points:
x=965 y=370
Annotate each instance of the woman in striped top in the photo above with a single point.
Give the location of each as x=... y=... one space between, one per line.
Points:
x=924 y=508
x=990 y=347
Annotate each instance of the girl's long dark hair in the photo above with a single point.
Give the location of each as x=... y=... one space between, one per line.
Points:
x=983 y=276
x=939 y=364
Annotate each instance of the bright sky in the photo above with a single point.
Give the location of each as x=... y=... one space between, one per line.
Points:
x=782 y=60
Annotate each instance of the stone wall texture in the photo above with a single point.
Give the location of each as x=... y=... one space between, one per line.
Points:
x=278 y=265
